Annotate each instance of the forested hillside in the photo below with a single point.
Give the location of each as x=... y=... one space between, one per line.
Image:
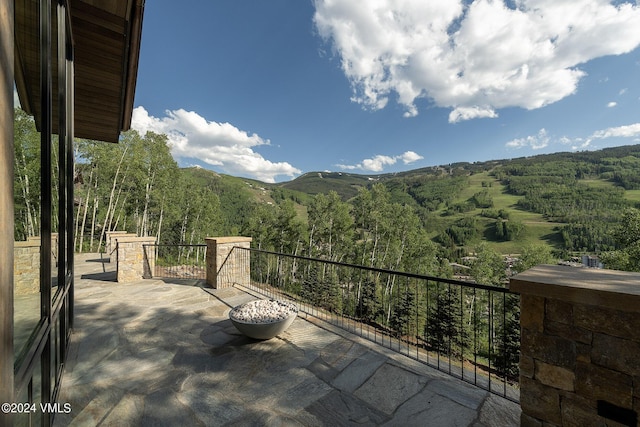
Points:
x=569 y=201
x=417 y=221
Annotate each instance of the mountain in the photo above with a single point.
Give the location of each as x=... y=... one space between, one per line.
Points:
x=569 y=201
x=347 y=184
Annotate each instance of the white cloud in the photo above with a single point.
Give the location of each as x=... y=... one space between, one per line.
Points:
x=542 y=140
x=628 y=131
x=468 y=113
x=410 y=157
x=377 y=163
x=611 y=104
x=535 y=142
x=218 y=144
x=473 y=57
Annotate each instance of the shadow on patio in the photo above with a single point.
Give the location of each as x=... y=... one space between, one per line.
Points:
x=157 y=353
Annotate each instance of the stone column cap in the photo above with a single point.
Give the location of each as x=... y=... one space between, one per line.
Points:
x=132 y=239
x=227 y=239
x=609 y=288
x=26 y=243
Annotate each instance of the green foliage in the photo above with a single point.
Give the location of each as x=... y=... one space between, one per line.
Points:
x=130 y=186
x=404 y=311
x=627 y=236
x=444 y=329
x=623 y=171
x=463 y=231
x=330 y=227
x=509 y=230
x=461 y=207
x=488 y=267
x=506 y=357
x=590 y=236
x=345 y=184
x=321 y=288
x=136 y=186
x=26 y=172
x=482 y=199
x=495 y=214
x=571 y=202
x=367 y=305
x=233 y=194
x=389 y=235
x=617 y=260
x=533 y=255
x=280 y=194
x=430 y=192
x=581 y=194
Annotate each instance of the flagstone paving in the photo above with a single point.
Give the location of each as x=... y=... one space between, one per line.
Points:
x=152 y=353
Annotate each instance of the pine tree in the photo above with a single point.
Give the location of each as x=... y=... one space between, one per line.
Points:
x=367 y=305
x=506 y=354
x=444 y=329
x=403 y=314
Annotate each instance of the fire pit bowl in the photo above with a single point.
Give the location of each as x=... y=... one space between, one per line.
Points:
x=263 y=319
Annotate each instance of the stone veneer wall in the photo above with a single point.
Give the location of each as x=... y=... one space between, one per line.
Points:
x=54 y=245
x=26 y=267
x=132 y=264
x=224 y=270
x=26 y=264
x=110 y=240
x=580 y=346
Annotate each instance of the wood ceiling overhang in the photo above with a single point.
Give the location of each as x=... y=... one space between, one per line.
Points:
x=105 y=35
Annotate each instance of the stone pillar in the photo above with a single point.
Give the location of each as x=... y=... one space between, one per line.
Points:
x=110 y=242
x=26 y=267
x=132 y=264
x=580 y=346
x=224 y=267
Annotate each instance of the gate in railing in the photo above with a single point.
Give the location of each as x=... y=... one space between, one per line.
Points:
x=470 y=331
x=178 y=261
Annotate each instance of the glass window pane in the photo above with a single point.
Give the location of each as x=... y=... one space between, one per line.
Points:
x=27 y=228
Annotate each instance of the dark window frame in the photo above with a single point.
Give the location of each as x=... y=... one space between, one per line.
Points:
x=49 y=343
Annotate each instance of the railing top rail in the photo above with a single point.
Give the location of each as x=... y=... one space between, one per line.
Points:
x=386 y=271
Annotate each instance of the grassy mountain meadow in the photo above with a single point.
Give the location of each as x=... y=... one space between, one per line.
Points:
x=570 y=202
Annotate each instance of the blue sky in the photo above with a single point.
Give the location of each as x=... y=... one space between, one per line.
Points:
x=274 y=89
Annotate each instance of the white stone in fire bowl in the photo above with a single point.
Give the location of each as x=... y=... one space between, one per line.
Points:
x=263 y=319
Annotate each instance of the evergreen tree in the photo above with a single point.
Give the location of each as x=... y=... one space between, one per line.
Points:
x=403 y=314
x=444 y=329
x=321 y=288
x=506 y=354
x=367 y=305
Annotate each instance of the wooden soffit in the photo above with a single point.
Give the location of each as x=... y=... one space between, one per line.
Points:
x=105 y=35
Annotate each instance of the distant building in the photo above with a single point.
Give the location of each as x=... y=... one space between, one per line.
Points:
x=592 y=261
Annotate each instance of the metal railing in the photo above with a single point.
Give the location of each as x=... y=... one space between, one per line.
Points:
x=470 y=331
x=177 y=261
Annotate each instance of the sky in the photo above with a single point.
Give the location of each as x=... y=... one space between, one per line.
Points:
x=274 y=89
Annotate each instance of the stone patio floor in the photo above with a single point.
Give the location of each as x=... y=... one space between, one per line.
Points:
x=152 y=353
